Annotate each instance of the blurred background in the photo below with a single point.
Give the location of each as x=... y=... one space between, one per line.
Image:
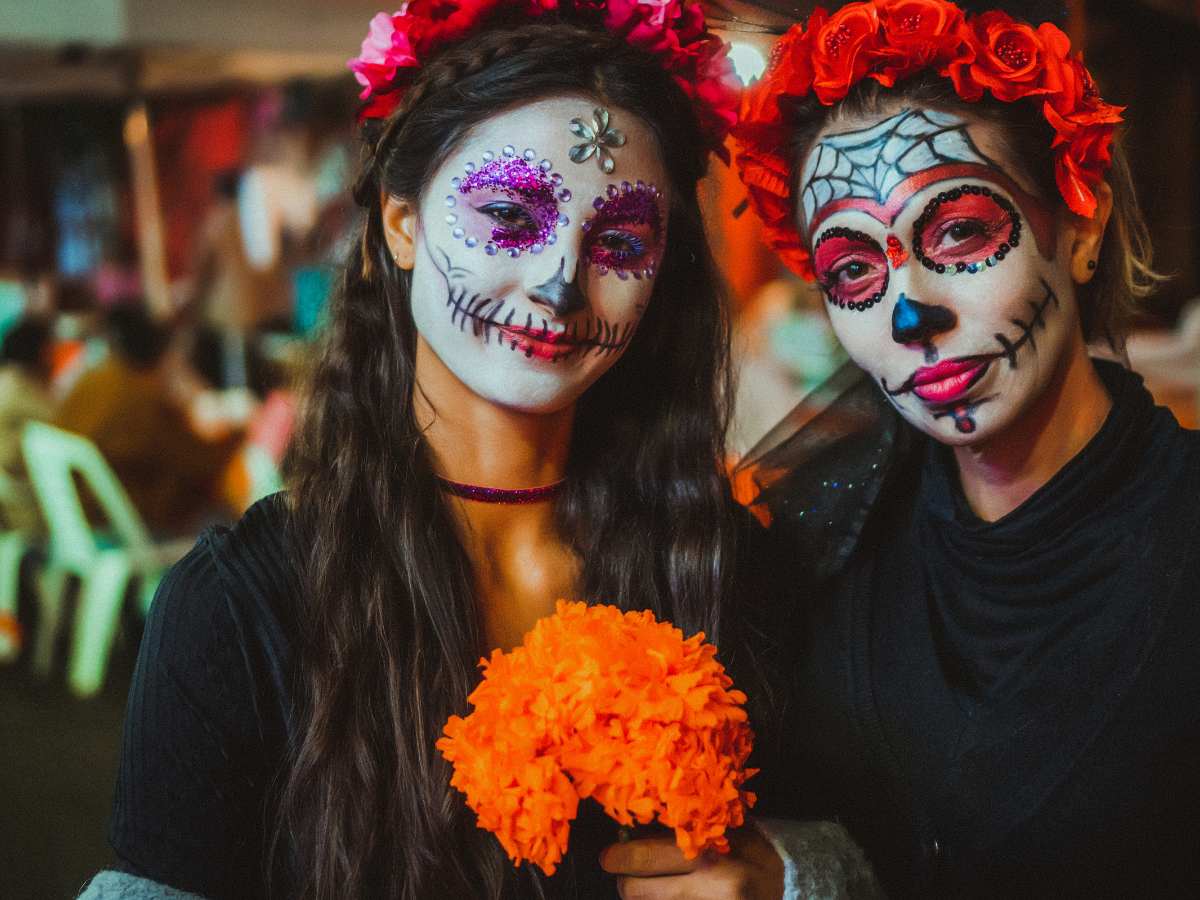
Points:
x=173 y=204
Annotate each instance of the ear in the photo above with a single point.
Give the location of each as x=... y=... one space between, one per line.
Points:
x=1089 y=235
x=399 y=229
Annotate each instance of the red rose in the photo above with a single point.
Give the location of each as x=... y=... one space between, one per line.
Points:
x=842 y=48
x=789 y=74
x=919 y=34
x=1011 y=59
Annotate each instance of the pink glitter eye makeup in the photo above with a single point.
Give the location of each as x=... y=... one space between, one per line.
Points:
x=624 y=234
x=507 y=203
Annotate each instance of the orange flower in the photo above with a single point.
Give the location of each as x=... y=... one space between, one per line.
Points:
x=603 y=704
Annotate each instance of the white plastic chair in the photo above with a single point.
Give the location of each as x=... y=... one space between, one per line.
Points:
x=104 y=563
x=13 y=547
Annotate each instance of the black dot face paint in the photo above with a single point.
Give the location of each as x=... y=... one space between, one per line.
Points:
x=966 y=230
x=851 y=267
x=507 y=203
x=625 y=235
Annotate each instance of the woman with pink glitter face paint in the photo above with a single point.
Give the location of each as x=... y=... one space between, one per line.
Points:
x=520 y=398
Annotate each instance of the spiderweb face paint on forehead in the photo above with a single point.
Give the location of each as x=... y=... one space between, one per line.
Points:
x=871 y=163
x=625 y=233
x=529 y=217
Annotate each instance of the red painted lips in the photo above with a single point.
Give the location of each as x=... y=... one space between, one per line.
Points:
x=542 y=343
x=949 y=380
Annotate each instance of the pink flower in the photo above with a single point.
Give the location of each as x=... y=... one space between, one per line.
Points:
x=384 y=50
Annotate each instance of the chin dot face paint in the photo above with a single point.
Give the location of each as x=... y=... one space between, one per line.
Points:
x=507 y=204
x=625 y=234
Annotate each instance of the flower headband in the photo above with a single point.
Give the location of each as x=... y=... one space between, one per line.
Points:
x=673 y=31
x=889 y=40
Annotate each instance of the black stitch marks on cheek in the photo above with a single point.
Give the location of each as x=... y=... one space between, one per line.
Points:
x=1037 y=320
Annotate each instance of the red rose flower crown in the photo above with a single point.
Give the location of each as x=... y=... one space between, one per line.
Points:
x=673 y=31
x=890 y=40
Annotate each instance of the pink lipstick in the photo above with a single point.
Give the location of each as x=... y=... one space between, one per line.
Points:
x=949 y=380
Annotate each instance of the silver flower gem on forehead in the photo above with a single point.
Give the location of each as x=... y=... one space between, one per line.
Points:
x=597 y=138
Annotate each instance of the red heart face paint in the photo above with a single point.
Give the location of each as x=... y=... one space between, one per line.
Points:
x=511 y=203
x=851 y=267
x=626 y=233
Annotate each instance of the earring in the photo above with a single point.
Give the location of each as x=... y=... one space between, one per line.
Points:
x=1091 y=265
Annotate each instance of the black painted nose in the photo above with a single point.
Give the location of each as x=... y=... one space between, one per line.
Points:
x=917 y=323
x=562 y=297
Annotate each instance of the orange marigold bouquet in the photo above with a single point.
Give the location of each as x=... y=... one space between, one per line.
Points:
x=610 y=705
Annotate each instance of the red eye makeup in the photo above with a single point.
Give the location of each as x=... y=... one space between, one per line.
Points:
x=624 y=234
x=966 y=230
x=851 y=267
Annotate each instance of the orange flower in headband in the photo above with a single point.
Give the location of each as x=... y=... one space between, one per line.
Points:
x=610 y=705
x=890 y=40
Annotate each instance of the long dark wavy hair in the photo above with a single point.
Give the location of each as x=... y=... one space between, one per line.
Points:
x=391 y=629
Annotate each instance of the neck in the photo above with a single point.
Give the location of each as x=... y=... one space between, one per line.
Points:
x=521 y=565
x=476 y=441
x=1000 y=474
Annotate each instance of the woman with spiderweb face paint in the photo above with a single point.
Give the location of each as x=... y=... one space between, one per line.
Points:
x=995 y=532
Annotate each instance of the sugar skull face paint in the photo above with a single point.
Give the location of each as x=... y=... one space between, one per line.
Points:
x=507 y=203
x=917 y=222
x=504 y=289
x=625 y=235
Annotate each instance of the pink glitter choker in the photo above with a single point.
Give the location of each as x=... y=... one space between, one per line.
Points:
x=511 y=497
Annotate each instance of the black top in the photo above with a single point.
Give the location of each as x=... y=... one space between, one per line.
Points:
x=1004 y=709
x=208 y=724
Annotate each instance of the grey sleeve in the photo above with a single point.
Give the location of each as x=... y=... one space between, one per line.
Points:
x=111 y=885
x=820 y=861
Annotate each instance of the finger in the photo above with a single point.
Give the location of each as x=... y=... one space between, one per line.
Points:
x=647 y=857
x=671 y=887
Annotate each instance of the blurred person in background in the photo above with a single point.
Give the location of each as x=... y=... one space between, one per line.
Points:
x=130 y=406
x=24 y=397
x=783 y=348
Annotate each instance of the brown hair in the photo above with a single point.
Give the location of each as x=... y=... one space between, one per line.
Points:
x=1109 y=303
x=391 y=630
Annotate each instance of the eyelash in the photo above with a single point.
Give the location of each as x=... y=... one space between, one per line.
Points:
x=496 y=211
x=830 y=279
x=960 y=266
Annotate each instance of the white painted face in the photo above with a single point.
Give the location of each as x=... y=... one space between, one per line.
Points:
x=532 y=271
x=945 y=276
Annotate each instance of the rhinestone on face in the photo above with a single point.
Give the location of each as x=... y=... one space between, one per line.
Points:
x=622 y=274
x=563 y=220
x=536 y=248
x=611 y=191
x=490 y=249
x=529 y=155
x=564 y=195
x=556 y=179
x=513 y=252
x=456 y=182
x=509 y=150
x=458 y=233
x=472 y=242
x=450 y=202
x=552 y=238
x=545 y=165
x=451 y=219
x=488 y=155
x=601 y=270
x=469 y=168
x=598 y=202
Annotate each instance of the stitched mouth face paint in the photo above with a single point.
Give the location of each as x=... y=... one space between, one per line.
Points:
x=625 y=235
x=905 y=204
x=504 y=292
